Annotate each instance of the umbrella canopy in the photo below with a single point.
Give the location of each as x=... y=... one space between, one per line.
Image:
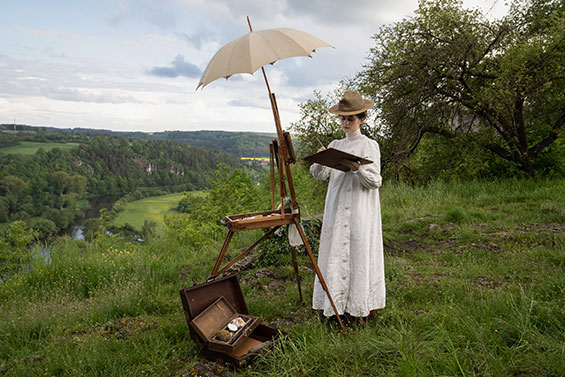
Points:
x=255 y=49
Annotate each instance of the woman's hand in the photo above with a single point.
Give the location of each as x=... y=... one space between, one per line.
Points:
x=352 y=165
x=321 y=149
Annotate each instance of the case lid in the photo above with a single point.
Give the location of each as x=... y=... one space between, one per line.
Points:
x=213 y=319
x=197 y=298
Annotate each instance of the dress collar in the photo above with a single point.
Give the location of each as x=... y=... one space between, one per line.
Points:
x=354 y=135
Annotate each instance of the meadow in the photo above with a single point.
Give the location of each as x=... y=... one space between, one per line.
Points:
x=29 y=148
x=475 y=277
x=153 y=208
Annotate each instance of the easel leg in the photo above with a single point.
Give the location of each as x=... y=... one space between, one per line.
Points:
x=295 y=265
x=319 y=273
x=227 y=241
x=248 y=250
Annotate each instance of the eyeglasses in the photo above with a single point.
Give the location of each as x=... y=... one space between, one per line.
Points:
x=349 y=119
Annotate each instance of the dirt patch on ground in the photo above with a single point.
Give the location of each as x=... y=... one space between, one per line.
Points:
x=525 y=228
x=435 y=277
x=186 y=272
x=261 y=274
x=545 y=235
x=421 y=243
x=539 y=227
x=486 y=245
x=533 y=234
x=243 y=264
x=209 y=369
x=394 y=247
x=125 y=327
x=418 y=219
x=483 y=281
x=265 y=279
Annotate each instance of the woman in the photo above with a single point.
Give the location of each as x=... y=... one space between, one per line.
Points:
x=351 y=247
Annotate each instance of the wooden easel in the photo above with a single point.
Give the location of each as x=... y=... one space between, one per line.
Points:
x=281 y=153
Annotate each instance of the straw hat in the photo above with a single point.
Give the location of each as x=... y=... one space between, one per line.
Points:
x=352 y=103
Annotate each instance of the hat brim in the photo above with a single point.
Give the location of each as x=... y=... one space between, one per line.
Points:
x=367 y=104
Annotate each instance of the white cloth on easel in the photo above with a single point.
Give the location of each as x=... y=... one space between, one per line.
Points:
x=351 y=246
x=294 y=238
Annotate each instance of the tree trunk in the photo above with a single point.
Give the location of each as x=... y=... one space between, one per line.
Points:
x=523 y=150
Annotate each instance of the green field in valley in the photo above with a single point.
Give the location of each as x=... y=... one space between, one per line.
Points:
x=29 y=148
x=153 y=208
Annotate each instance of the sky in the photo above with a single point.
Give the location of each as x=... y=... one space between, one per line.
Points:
x=134 y=65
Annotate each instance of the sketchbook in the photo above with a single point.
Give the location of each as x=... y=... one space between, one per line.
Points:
x=332 y=158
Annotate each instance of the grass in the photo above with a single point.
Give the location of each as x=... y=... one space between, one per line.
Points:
x=153 y=208
x=475 y=277
x=29 y=148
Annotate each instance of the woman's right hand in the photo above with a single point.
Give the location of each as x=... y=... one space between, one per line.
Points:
x=321 y=149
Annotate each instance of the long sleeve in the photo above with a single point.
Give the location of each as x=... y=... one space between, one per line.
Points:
x=321 y=172
x=370 y=175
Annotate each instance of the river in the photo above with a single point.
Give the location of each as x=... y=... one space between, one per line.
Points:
x=92 y=211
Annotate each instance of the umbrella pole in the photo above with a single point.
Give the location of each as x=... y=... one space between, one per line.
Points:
x=271 y=98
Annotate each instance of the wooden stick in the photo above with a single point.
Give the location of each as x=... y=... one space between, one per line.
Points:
x=291 y=186
x=282 y=186
x=227 y=241
x=319 y=273
x=273 y=104
x=295 y=266
x=272 y=163
x=249 y=249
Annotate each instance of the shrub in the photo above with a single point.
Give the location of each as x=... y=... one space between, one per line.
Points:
x=15 y=250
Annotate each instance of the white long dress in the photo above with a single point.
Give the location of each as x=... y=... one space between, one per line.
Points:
x=351 y=245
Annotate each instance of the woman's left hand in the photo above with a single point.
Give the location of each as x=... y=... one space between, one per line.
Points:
x=352 y=165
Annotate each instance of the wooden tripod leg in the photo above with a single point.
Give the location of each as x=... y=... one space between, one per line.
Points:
x=272 y=166
x=249 y=249
x=319 y=273
x=295 y=265
x=227 y=241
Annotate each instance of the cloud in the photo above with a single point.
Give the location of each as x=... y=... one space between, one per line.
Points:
x=261 y=103
x=53 y=53
x=85 y=95
x=179 y=67
x=162 y=15
x=196 y=40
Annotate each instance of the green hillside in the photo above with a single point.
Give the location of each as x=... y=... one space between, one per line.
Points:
x=240 y=144
x=29 y=148
x=44 y=173
x=474 y=275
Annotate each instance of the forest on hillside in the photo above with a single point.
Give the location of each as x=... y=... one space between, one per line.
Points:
x=45 y=188
x=240 y=144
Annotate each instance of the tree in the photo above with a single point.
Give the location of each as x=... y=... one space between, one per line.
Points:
x=148 y=230
x=316 y=126
x=45 y=228
x=451 y=72
x=231 y=192
x=15 y=249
